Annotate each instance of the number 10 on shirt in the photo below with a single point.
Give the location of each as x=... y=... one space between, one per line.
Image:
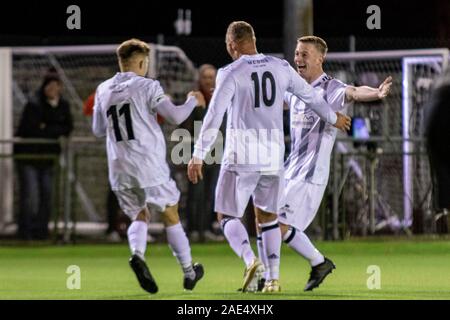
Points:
x=268 y=102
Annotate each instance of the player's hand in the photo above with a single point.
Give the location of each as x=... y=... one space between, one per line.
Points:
x=385 y=88
x=194 y=170
x=343 y=122
x=200 y=98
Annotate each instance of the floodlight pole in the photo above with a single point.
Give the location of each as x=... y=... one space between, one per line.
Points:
x=298 y=21
x=6 y=132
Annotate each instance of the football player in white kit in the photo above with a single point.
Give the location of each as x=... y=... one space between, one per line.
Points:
x=308 y=164
x=125 y=111
x=251 y=91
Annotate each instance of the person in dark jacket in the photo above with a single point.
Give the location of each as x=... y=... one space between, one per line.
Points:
x=46 y=116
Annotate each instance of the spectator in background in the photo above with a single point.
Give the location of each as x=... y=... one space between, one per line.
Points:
x=438 y=145
x=200 y=202
x=47 y=116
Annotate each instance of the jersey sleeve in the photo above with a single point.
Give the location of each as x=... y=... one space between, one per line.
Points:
x=287 y=97
x=99 y=122
x=175 y=114
x=220 y=101
x=155 y=94
x=335 y=94
x=300 y=88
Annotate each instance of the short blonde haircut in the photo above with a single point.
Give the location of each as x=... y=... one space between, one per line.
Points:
x=128 y=49
x=241 y=31
x=318 y=42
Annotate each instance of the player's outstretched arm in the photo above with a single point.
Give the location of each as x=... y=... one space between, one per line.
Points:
x=177 y=114
x=366 y=94
x=220 y=101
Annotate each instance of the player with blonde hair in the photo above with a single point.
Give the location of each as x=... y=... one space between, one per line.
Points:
x=308 y=164
x=125 y=111
x=251 y=91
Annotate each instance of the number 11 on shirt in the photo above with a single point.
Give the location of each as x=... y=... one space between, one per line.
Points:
x=125 y=110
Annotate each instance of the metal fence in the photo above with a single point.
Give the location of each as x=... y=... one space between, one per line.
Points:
x=358 y=203
x=362 y=197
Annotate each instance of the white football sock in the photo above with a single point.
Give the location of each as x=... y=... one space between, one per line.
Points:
x=300 y=242
x=262 y=255
x=137 y=238
x=237 y=237
x=271 y=237
x=179 y=243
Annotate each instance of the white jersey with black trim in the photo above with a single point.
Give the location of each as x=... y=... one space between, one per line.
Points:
x=251 y=91
x=124 y=112
x=312 y=139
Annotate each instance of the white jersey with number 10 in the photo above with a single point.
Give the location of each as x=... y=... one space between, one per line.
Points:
x=251 y=91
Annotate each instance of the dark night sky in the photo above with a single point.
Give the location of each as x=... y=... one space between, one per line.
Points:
x=398 y=18
x=210 y=18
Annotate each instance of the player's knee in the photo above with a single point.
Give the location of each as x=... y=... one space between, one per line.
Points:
x=170 y=218
x=258 y=228
x=143 y=215
x=288 y=234
x=265 y=217
x=224 y=220
x=284 y=228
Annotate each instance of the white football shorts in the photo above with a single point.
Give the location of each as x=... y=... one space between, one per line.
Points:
x=301 y=203
x=234 y=190
x=134 y=200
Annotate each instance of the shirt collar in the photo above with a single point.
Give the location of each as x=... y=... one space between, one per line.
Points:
x=319 y=80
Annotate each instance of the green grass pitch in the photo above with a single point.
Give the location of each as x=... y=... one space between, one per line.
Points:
x=409 y=270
